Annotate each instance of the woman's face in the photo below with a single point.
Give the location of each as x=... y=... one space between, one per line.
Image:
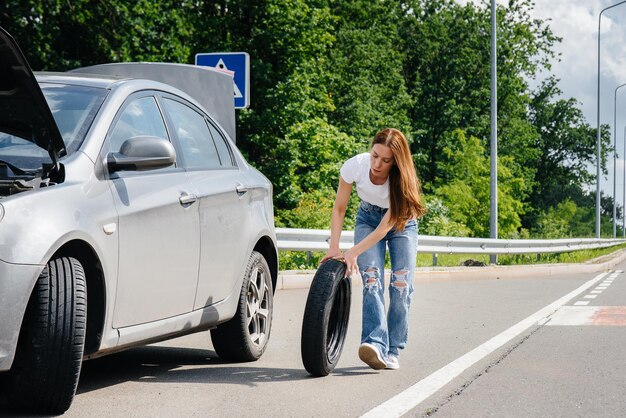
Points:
x=381 y=160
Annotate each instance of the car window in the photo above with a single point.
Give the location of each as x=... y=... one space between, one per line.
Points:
x=140 y=117
x=74 y=109
x=194 y=137
x=226 y=157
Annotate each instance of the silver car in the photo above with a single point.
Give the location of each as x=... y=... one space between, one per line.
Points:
x=127 y=216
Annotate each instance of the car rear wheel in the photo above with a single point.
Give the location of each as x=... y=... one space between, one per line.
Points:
x=326 y=316
x=245 y=336
x=47 y=364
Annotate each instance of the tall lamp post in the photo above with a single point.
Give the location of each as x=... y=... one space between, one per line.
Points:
x=615 y=159
x=493 y=183
x=624 y=194
x=598 y=144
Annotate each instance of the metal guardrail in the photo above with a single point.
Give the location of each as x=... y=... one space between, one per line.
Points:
x=291 y=239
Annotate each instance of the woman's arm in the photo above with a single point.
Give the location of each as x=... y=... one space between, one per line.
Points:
x=376 y=235
x=339 y=213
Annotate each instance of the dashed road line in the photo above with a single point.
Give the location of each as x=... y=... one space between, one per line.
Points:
x=599 y=289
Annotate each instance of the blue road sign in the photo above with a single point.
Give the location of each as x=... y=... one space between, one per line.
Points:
x=237 y=63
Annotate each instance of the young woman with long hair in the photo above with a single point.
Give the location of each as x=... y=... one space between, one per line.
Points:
x=389 y=190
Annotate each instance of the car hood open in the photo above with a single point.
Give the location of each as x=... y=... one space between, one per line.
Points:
x=24 y=111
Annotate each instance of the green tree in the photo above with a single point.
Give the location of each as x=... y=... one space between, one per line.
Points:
x=438 y=220
x=467 y=194
x=448 y=74
x=59 y=35
x=367 y=82
x=566 y=147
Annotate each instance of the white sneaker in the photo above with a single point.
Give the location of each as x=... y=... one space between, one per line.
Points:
x=392 y=362
x=370 y=355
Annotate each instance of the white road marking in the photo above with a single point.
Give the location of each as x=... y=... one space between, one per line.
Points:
x=596 y=291
x=589 y=315
x=573 y=315
x=582 y=303
x=601 y=287
x=591 y=296
x=416 y=394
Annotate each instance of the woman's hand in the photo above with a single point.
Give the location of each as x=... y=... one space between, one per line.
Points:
x=350 y=257
x=332 y=253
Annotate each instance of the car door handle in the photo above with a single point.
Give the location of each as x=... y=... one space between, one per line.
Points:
x=187 y=199
x=241 y=189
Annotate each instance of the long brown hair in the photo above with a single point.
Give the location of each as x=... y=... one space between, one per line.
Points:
x=404 y=187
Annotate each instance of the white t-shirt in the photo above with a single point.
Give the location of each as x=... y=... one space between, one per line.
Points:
x=357 y=170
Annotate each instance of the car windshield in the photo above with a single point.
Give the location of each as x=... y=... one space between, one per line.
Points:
x=73 y=108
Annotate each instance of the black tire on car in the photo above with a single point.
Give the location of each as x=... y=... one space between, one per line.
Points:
x=47 y=364
x=245 y=336
x=326 y=316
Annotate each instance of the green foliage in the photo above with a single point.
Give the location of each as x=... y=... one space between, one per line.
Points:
x=311 y=155
x=299 y=260
x=59 y=35
x=556 y=222
x=327 y=74
x=567 y=147
x=367 y=83
x=467 y=193
x=313 y=211
x=438 y=221
x=448 y=71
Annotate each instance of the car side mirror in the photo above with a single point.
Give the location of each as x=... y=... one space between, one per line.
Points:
x=142 y=153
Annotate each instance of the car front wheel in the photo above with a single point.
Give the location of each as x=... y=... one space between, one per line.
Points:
x=47 y=364
x=245 y=336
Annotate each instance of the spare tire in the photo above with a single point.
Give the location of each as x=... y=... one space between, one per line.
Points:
x=326 y=316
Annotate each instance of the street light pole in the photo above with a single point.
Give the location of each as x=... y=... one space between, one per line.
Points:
x=624 y=194
x=598 y=144
x=493 y=209
x=615 y=159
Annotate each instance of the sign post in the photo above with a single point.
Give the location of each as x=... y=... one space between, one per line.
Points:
x=238 y=65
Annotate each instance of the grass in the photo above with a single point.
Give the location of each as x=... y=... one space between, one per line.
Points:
x=300 y=260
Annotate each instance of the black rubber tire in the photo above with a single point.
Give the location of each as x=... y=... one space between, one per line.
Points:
x=326 y=317
x=47 y=365
x=245 y=336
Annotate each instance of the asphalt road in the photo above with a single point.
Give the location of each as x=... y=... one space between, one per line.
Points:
x=479 y=347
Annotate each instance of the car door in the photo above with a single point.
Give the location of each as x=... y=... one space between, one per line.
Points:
x=224 y=203
x=158 y=226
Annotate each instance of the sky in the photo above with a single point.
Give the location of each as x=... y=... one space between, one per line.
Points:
x=576 y=22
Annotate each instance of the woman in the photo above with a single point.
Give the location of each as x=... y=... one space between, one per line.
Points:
x=389 y=190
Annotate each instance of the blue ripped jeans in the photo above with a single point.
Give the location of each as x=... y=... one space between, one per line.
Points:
x=389 y=332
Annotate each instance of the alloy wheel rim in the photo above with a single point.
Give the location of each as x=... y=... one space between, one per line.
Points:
x=257 y=307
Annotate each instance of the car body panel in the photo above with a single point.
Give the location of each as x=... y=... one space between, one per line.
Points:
x=33 y=229
x=225 y=231
x=14 y=295
x=159 y=249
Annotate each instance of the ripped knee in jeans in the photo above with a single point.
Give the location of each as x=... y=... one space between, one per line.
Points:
x=370 y=277
x=399 y=279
